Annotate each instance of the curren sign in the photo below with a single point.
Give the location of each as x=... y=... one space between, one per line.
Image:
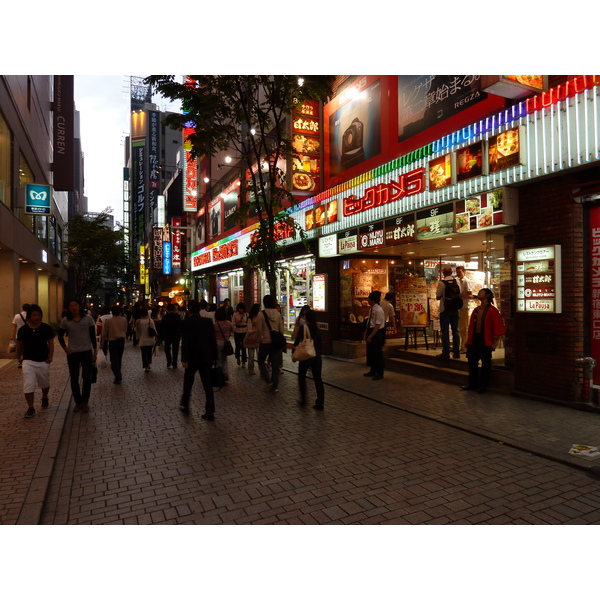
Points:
x=64 y=134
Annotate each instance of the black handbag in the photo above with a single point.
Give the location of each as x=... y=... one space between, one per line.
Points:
x=217 y=377
x=278 y=340
x=228 y=350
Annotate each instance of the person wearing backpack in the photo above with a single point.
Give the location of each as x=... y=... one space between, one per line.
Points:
x=448 y=293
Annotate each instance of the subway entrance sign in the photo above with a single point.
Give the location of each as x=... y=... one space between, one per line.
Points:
x=38 y=199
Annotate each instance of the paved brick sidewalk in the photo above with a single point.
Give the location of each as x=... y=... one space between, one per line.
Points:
x=135 y=459
x=28 y=446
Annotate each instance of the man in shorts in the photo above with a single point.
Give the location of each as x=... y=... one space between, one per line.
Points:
x=35 y=347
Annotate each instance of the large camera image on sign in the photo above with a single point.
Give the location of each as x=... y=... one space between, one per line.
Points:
x=355 y=130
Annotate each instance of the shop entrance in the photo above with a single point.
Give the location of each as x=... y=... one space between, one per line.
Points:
x=412 y=272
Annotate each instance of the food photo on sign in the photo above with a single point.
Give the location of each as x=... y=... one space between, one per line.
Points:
x=504 y=150
x=440 y=172
x=479 y=212
x=469 y=161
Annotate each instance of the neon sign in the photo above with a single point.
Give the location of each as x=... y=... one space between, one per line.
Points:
x=408 y=184
x=190 y=165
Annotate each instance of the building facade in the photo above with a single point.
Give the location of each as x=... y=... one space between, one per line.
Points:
x=407 y=174
x=39 y=166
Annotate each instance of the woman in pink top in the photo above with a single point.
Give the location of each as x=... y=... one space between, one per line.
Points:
x=223 y=329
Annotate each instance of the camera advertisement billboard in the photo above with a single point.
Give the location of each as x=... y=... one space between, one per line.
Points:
x=425 y=100
x=355 y=130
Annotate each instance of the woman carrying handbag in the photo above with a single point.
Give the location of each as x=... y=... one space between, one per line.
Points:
x=315 y=364
x=251 y=340
x=223 y=329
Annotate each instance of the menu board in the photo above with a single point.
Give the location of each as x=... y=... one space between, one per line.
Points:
x=479 y=212
x=319 y=288
x=413 y=302
x=539 y=280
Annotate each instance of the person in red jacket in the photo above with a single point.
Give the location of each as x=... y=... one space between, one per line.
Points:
x=485 y=330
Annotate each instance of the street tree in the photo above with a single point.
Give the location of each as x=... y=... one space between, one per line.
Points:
x=95 y=254
x=248 y=114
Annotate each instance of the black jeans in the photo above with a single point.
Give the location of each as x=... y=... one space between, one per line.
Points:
x=275 y=357
x=115 y=349
x=188 y=382
x=240 y=350
x=479 y=379
x=171 y=350
x=146 y=355
x=75 y=360
x=315 y=365
x=375 y=352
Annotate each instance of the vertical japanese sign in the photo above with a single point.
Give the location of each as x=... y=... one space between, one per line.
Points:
x=177 y=238
x=153 y=159
x=306 y=142
x=138 y=189
x=190 y=164
x=157 y=248
x=595 y=287
x=539 y=280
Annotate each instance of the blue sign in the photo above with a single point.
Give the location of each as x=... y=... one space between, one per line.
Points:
x=38 y=199
x=166 y=258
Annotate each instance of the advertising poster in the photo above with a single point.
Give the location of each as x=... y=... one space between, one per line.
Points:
x=479 y=212
x=214 y=217
x=332 y=211
x=355 y=130
x=504 y=150
x=413 y=302
x=469 y=161
x=425 y=100
x=201 y=227
x=309 y=220
x=230 y=204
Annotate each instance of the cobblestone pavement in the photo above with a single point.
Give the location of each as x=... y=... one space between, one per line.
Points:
x=400 y=451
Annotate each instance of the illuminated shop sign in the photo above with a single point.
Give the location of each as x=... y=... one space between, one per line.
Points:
x=190 y=164
x=400 y=230
x=319 y=292
x=435 y=222
x=157 y=248
x=348 y=242
x=371 y=236
x=408 y=184
x=482 y=211
x=166 y=258
x=539 y=280
x=142 y=265
x=328 y=245
x=594 y=282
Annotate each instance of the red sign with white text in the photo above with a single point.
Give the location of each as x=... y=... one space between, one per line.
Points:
x=595 y=288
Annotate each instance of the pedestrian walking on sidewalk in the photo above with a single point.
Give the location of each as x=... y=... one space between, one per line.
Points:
x=82 y=350
x=35 y=350
x=375 y=337
x=240 y=329
x=18 y=321
x=223 y=328
x=171 y=332
x=485 y=330
x=198 y=353
x=114 y=332
x=314 y=364
x=145 y=331
x=269 y=320
x=251 y=339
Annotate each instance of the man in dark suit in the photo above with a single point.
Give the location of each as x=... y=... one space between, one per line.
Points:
x=198 y=353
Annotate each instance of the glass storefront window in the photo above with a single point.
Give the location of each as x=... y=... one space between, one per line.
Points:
x=42 y=230
x=25 y=176
x=5 y=160
x=294 y=287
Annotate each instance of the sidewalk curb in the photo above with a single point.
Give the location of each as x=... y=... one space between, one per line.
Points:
x=31 y=512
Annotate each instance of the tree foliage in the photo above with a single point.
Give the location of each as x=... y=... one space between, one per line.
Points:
x=249 y=115
x=95 y=253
